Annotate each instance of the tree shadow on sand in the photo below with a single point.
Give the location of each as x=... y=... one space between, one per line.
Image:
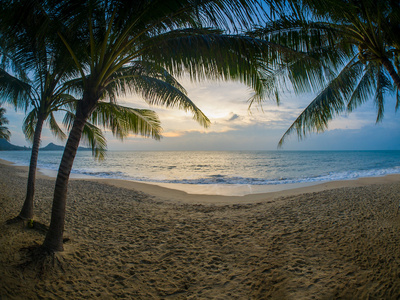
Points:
x=35 y=257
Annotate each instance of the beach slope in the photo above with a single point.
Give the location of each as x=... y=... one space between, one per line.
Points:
x=341 y=242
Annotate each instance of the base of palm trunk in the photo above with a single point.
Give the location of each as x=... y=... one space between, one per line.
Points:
x=42 y=260
x=54 y=245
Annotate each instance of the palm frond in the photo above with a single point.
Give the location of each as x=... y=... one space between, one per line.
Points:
x=207 y=54
x=28 y=127
x=4 y=132
x=93 y=136
x=330 y=102
x=68 y=120
x=364 y=88
x=124 y=120
x=62 y=101
x=14 y=91
x=55 y=128
x=155 y=88
x=397 y=99
x=383 y=85
x=310 y=52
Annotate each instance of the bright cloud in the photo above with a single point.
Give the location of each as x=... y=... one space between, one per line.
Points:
x=234 y=126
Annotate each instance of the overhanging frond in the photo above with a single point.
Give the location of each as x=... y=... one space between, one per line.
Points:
x=14 y=91
x=93 y=136
x=155 y=88
x=208 y=55
x=383 y=85
x=330 y=102
x=4 y=132
x=28 y=127
x=55 y=128
x=123 y=121
x=365 y=87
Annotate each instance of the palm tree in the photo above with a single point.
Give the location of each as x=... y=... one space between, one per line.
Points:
x=42 y=90
x=364 y=34
x=47 y=93
x=121 y=48
x=4 y=132
x=121 y=120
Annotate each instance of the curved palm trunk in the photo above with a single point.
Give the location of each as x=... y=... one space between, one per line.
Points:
x=392 y=72
x=54 y=237
x=27 y=208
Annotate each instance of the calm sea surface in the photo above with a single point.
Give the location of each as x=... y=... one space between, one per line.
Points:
x=224 y=167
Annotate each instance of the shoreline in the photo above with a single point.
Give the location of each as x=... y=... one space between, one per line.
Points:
x=175 y=192
x=124 y=243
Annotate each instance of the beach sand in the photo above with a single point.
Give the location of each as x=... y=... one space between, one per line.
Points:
x=135 y=241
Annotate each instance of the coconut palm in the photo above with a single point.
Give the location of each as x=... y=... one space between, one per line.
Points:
x=121 y=120
x=44 y=92
x=121 y=48
x=365 y=35
x=4 y=132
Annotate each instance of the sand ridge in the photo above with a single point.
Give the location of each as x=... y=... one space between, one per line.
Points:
x=335 y=243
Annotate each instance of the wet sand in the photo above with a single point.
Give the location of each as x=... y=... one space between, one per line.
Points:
x=129 y=240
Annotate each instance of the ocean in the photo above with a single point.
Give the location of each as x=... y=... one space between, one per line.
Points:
x=208 y=171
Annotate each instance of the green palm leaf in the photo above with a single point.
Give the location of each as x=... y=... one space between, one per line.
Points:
x=29 y=124
x=155 y=90
x=55 y=128
x=363 y=35
x=124 y=120
x=14 y=91
x=4 y=132
x=383 y=86
x=364 y=88
x=330 y=102
x=93 y=136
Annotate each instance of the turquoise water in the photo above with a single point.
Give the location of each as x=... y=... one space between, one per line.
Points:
x=224 y=167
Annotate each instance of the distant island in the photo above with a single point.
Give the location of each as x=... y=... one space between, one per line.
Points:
x=52 y=147
x=6 y=146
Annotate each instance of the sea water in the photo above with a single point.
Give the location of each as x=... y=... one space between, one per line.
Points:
x=252 y=168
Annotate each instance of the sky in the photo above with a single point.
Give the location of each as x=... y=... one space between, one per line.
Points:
x=235 y=127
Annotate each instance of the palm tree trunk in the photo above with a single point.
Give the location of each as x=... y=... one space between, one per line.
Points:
x=54 y=237
x=27 y=209
x=392 y=72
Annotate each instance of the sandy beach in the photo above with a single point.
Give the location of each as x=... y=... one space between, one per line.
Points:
x=337 y=240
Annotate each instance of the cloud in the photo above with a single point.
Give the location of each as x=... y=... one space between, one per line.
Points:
x=181 y=133
x=236 y=127
x=174 y=134
x=233 y=117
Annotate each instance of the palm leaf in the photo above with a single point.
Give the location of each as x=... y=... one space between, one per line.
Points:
x=124 y=120
x=4 y=132
x=330 y=102
x=55 y=128
x=311 y=59
x=207 y=54
x=28 y=127
x=93 y=136
x=159 y=93
x=14 y=91
x=383 y=85
x=364 y=88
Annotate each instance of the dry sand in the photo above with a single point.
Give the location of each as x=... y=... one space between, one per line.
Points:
x=322 y=242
